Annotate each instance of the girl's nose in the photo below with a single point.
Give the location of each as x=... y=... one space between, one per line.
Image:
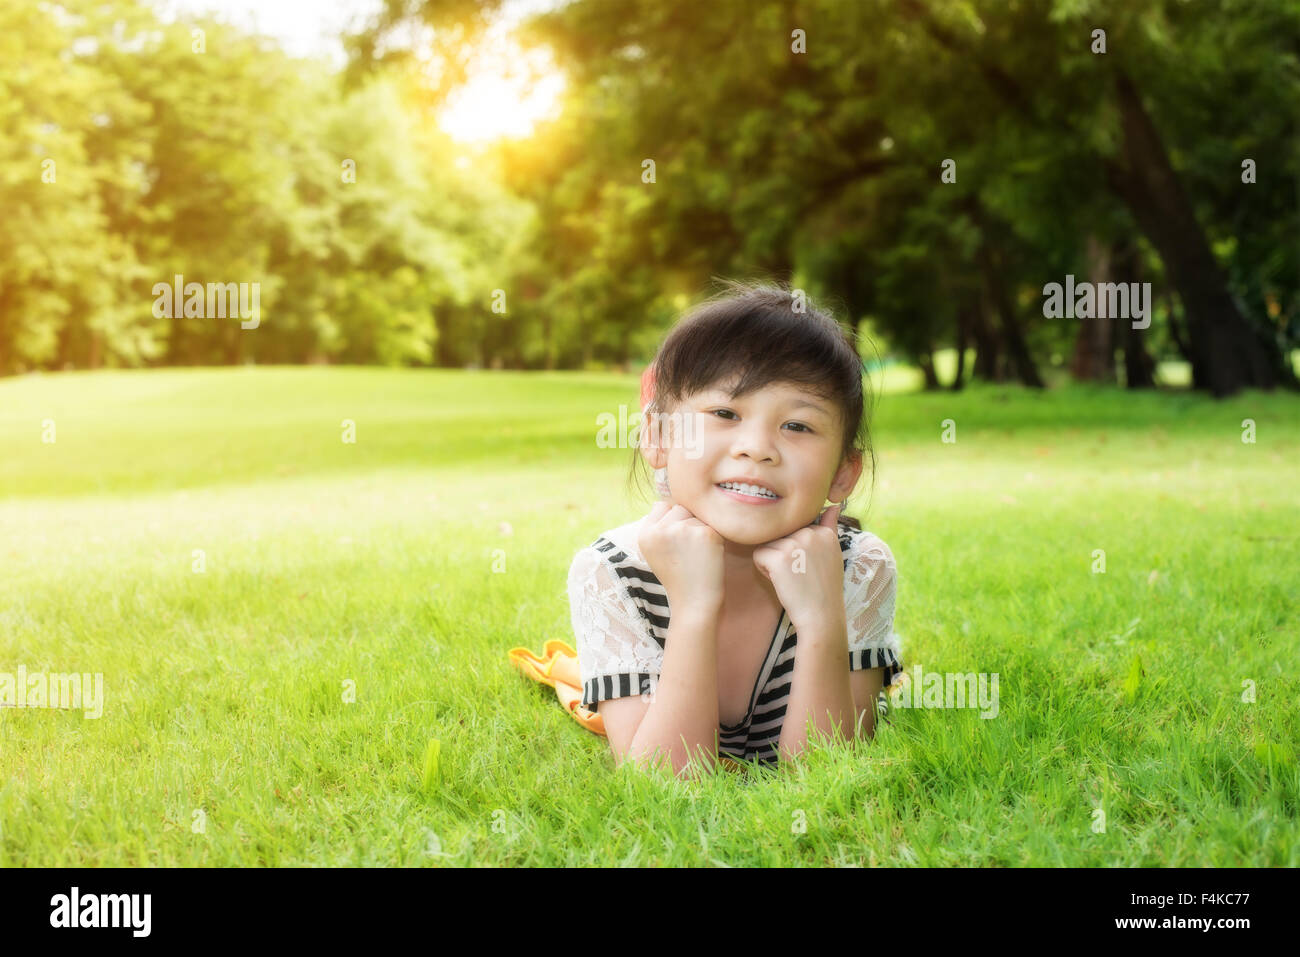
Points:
x=755 y=443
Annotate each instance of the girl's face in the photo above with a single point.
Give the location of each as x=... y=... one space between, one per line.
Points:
x=780 y=437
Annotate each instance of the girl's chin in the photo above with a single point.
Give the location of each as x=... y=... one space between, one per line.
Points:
x=747 y=532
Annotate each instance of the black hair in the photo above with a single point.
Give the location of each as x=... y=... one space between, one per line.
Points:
x=760 y=333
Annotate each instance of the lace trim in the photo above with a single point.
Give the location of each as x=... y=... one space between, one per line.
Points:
x=871 y=588
x=611 y=634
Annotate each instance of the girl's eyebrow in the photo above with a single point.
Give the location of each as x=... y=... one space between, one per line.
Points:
x=811 y=405
x=798 y=403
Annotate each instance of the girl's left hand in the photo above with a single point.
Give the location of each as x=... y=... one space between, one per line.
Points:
x=807 y=570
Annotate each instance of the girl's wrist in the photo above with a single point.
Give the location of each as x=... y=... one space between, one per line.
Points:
x=699 y=609
x=820 y=624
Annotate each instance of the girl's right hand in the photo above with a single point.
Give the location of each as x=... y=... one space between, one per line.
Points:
x=686 y=556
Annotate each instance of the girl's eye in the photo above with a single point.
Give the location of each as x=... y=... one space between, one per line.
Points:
x=802 y=427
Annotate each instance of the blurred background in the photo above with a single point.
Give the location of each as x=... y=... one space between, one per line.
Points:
x=545 y=184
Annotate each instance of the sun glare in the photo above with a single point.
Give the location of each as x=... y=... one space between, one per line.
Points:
x=509 y=89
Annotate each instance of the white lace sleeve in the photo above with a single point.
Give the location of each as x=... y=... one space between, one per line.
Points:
x=870 y=589
x=617 y=656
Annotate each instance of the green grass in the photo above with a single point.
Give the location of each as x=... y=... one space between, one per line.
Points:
x=373 y=563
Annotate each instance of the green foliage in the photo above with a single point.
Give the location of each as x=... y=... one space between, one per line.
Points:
x=825 y=165
x=821 y=167
x=237 y=164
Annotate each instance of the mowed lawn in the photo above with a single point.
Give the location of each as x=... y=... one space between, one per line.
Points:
x=1148 y=715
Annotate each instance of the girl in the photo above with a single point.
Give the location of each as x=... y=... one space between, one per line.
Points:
x=738 y=617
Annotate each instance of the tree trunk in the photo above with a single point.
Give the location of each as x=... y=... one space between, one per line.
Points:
x=964 y=320
x=175 y=353
x=8 y=354
x=1139 y=367
x=1005 y=372
x=1094 y=347
x=1000 y=296
x=1174 y=329
x=988 y=345
x=993 y=268
x=1225 y=343
x=95 y=356
x=926 y=361
x=588 y=347
x=234 y=344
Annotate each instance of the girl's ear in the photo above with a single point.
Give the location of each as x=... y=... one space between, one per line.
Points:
x=652 y=441
x=658 y=460
x=846 y=477
x=655 y=456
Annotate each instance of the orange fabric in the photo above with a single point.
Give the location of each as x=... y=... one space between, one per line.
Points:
x=558 y=667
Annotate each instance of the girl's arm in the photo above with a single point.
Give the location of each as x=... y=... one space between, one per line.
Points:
x=682 y=718
x=821 y=695
x=866 y=684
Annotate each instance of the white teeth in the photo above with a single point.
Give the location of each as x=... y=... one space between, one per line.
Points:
x=748 y=489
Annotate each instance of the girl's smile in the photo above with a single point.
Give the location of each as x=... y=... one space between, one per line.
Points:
x=745 y=494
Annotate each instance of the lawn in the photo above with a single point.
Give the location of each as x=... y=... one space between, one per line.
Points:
x=356 y=601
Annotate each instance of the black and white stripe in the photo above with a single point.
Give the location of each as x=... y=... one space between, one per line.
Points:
x=756 y=737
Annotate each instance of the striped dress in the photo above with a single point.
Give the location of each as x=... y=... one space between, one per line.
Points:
x=620 y=616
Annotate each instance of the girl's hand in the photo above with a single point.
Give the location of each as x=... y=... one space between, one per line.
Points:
x=686 y=556
x=807 y=570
